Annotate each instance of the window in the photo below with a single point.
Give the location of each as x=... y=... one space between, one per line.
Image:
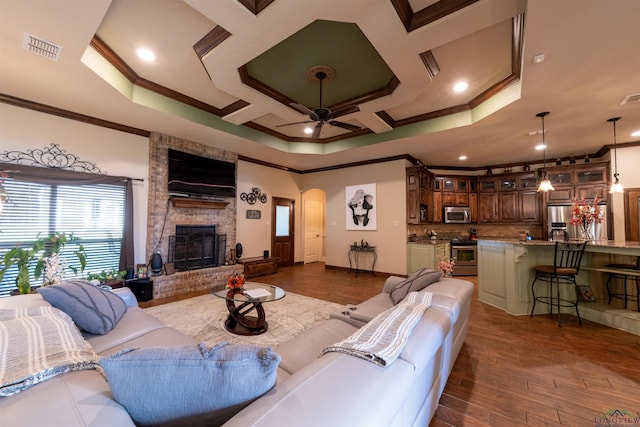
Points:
x=95 y=213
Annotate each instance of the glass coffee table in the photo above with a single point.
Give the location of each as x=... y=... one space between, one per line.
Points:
x=246 y=314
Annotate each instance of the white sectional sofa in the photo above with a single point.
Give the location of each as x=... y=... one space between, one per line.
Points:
x=334 y=390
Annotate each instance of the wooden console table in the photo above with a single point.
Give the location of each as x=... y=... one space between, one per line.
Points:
x=259 y=266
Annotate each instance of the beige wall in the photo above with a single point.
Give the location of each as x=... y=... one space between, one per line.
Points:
x=255 y=234
x=116 y=153
x=390 y=237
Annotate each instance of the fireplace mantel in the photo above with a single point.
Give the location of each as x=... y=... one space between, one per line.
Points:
x=183 y=202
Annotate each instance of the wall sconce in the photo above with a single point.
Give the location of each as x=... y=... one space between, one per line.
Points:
x=545 y=184
x=616 y=187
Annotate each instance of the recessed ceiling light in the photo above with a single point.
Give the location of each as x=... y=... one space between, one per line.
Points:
x=463 y=157
x=540 y=147
x=538 y=58
x=146 y=54
x=308 y=130
x=636 y=133
x=460 y=86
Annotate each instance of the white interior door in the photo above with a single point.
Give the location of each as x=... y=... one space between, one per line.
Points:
x=312 y=231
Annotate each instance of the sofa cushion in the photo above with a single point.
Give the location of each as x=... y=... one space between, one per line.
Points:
x=189 y=385
x=302 y=349
x=91 y=308
x=417 y=281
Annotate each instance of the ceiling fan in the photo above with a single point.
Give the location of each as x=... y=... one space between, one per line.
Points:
x=322 y=115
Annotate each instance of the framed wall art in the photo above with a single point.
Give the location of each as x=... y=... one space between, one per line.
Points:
x=361 y=207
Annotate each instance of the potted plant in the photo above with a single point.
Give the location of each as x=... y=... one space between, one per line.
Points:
x=108 y=277
x=44 y=256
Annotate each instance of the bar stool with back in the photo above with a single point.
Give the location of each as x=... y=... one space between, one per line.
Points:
x=567 y=258
x=618 y=272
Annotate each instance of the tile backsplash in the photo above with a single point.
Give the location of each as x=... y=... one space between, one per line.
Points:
x=461 y=231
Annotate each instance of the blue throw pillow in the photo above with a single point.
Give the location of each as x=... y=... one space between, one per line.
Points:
x=189 y=385
x=94 y=310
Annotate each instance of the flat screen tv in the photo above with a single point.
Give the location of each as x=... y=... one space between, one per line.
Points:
x=200 y=177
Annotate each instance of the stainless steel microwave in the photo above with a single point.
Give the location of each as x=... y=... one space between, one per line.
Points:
x=456 y=215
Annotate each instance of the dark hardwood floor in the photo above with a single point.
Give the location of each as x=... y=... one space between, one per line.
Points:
x=511 y=370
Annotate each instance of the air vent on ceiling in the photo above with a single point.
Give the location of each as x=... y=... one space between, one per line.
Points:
x=631 y=99
x=41 y=47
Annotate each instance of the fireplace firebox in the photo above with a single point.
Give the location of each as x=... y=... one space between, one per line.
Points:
x=197 y=246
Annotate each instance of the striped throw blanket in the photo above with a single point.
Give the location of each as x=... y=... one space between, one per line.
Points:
x=382 y=339
x=39 y=343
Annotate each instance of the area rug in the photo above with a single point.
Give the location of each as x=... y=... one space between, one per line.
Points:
x=203 y=317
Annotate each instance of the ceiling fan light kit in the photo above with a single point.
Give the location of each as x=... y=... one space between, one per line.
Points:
x=322 y=115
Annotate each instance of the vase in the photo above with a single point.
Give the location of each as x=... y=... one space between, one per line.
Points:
x=586 y=231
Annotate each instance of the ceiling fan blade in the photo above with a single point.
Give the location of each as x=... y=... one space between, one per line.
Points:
x=301 y=108
x=344 y=111
x=344 y=125
x=295 y=123
x=316 y=130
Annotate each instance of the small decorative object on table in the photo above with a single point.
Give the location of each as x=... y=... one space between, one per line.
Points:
x=584 y=214
x=236 y=281
x=446 y=266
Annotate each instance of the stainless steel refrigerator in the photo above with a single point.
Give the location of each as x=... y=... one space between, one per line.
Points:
x=558 y=218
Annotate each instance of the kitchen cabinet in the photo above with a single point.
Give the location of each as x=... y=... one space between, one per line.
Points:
x=585 y=180
x=455 y=190
x=508 y=206
x=426 y=255
x=455 y=199
x=419 y=194
x=488 y=207
x=437 y=207
x=473 y=206
x=508 y=198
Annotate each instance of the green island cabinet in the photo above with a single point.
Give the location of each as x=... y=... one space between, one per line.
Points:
x=426 y=255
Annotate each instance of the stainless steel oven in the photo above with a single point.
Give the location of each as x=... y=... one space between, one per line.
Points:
x=466 y=254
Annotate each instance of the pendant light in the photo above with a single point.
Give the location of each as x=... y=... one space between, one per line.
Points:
x=616 y=187
x=545 y=184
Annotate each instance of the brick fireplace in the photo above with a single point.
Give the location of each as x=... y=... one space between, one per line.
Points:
x=164 y=217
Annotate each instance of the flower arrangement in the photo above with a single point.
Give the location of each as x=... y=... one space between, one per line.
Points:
x=236 y=281
x=585 y=214
x=446 y=266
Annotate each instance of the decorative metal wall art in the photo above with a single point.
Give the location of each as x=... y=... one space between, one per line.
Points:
x=52 y=157
x=254 y=196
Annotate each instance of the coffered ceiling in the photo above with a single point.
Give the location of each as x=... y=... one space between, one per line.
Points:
x=226 y=72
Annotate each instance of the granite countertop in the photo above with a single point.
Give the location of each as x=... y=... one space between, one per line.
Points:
x=428 y=241
x=602 y=243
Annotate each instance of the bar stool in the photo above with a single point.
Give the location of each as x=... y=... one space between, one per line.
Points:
x=624 y=277
x=567 y=258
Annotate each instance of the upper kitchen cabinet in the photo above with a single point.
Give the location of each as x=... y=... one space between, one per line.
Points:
x=508 y=198
x=419 y=194
x=581 y=181
x=454 y=190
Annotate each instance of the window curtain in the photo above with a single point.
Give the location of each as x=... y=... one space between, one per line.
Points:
x=54 y=176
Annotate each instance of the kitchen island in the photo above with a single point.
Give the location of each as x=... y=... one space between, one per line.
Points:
x=505 y=274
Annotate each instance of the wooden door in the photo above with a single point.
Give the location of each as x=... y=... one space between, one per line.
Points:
x=282 y=230
x=312 y=231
